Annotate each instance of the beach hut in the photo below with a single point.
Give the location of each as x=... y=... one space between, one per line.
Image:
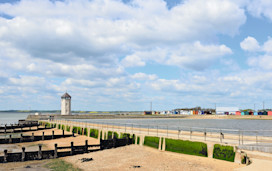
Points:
x=269 y=113
x=238 y=113
x=242 y=113
x=255 y=113
x=260 y=113
x=265 y=113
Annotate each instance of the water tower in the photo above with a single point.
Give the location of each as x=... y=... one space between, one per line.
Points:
x=66 y=104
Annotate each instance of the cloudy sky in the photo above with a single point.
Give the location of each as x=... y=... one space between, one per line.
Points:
x=121 y=55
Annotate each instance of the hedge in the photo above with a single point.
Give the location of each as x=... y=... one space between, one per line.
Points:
x=186 y=147
x=223 y=152
x=94 y=133
x=115 y=135
x=58 y=126
x=63 y=127
x=74 y=130
x=152 y=141
x=124 y=135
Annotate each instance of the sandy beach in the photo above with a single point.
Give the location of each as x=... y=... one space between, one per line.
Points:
x=130 y=157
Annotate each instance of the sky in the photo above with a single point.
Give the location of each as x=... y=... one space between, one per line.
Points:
x=123 y=55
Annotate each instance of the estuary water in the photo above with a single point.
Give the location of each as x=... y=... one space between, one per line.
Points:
x=11 y=117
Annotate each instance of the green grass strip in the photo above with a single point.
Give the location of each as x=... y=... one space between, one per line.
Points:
x=186 y=147
x=152 y=141
x=223 y=152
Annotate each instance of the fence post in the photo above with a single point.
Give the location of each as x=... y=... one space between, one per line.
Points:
x=32 y=138
x=157 y=131
x=62 y=132
x=256 y=137
x=205 y=134
x=30 y=127
x=53 y=134
x=56 y=151
x=42 y=136
x=239 y=136
x=23 y=153
x=21 y=138
x=10 y=139
x=40 y=152
x=167 y=131
x=5 y=156
x=5 y=128
x=220 y=136
x=72 y=148
x=86 y=146
x=242 y=137
x=191 y=133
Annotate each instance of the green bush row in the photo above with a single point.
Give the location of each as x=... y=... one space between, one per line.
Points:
x=223 y=152
x=186 y=147
x=68 y=128
x=152 y=141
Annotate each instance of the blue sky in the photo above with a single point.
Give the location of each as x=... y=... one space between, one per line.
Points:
x=121 y=55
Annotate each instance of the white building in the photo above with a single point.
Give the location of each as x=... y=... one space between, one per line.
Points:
x=66 y=104
x=226 y=110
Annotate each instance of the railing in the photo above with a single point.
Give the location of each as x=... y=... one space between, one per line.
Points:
x=224 y=136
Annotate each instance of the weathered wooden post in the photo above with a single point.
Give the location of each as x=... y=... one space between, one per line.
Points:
x=42 y=136
x=23 y=154
x=72 y=148
x=21 y=138
x=30 y=127
x=63 y=133
x=32 y=138
x=10 y=139
x=12 y=127
x=86 y=146
x=40 y=152
x=5 y=128
x=53 y=134
x=56 y=151
x=5 y=156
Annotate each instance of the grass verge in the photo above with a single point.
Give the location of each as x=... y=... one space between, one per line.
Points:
x=60 y=165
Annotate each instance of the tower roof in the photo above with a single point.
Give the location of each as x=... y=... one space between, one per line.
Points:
x=66 y=95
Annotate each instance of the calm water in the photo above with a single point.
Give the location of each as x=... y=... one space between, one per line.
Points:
x=11 y=118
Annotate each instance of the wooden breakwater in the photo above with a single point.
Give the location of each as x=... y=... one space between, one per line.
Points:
x=22 y=124
x=72 y=150
x=32 y=138
x=23 y=130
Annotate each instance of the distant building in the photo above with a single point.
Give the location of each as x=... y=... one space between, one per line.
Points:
x=66 y=104
x=226 y=110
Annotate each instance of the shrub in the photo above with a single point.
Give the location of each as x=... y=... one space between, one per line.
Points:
x=68 y=128
x=86 y=131
x=58 y=126
x=63 y=127
x=124 y=135
x=186 y=147
x=109 y=135
x=54 y=125
x=74 y=130
x=152 y=141
x=223 y=152
x=138 y=140
x=115 y=135
x=79 y=130
x=94 y=133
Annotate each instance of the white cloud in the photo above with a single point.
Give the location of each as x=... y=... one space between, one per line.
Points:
x=260 y=8
x=250 y=44
x=132 y=61
x=143 y=76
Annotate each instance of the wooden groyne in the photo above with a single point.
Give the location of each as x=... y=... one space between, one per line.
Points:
x=72 y=150
x=32 y=138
